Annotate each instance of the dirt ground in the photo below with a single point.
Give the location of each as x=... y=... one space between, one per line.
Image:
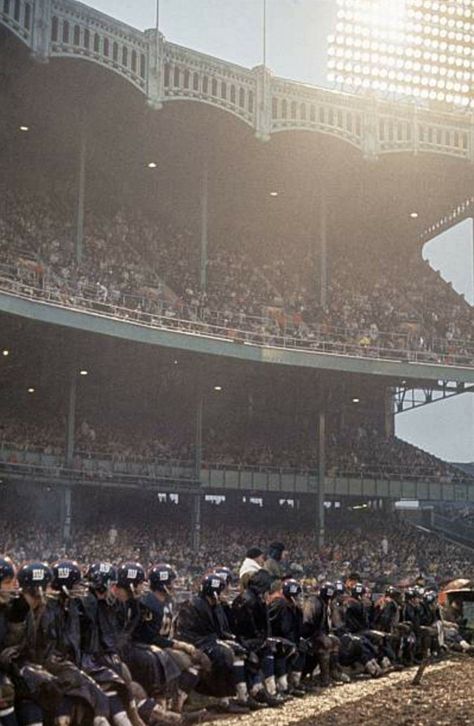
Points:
x=444 y=698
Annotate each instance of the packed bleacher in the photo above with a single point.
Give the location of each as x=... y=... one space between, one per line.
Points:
x=360 y=451
x=138 y=266
x=355 y=539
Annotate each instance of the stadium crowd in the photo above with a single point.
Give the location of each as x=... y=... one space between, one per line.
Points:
x=149 y=270
x=382 y=548
x=351 y=452
x=254 y=616
x=247 y=622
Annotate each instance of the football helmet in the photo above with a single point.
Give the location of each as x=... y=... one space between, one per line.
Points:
x=130 y=575
x=66 y=574
x=35 y=575
x=7 y=569
x=161 y=577
x=100 y=576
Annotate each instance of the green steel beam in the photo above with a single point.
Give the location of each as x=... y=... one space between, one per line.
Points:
x=94 y=322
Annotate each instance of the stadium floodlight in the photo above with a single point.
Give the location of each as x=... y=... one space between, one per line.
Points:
x=413 y=48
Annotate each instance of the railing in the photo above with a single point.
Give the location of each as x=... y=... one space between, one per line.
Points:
x=63 y=473
x=244 y=330
x=110 y=466
x=455 y=528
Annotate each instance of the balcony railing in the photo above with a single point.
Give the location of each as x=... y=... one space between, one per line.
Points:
x=109 y=465
x=238 y=328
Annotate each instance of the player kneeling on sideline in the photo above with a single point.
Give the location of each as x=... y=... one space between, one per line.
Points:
x=37 y=692
x=252 y=628
x=52 y=686
x=155 y=628
x=202 y=622
x=386 y=618
x=286 y=621
x=359 y=643
x=151 y=667
x=323 y=644
x=7 y=690
x=100 y=634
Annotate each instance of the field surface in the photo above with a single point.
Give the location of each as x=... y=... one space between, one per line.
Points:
x=444 y=698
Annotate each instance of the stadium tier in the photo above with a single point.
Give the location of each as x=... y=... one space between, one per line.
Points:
x=213 y=304
x=130 y=265
x=299 y=251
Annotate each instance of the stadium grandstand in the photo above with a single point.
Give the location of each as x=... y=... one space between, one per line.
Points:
x=213 y=305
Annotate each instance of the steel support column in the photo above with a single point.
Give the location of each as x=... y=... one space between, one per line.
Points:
x=196 y=510
x=389 y=412
x=71 y=420
x=81 y=189
x=66 y=508
x=67 y=514
x=323 y=251
x=321 y=477
x=204 y=225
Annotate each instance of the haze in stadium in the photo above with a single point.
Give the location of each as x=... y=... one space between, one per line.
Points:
x=233 y=30
x=236 y=362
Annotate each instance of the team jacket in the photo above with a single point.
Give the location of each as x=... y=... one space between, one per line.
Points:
x=411 y=614
x=385 y=615
x=100 y=627
x=286 y=620
x=154 y=626
x=251 y=621
x=316 y=617
x=356 y=617
x=429 y=615
x=200 y=623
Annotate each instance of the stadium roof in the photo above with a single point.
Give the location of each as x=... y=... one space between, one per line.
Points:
x=371 y=200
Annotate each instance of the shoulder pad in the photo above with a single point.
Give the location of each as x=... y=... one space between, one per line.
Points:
x=150 y=602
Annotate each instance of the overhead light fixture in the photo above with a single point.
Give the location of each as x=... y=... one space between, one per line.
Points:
x=5 y=352
x=24 y=128
x=83 y=372
x=273 y=194
x=152 y=164
x=218 y=388
x=356 y=400
x=31 y=390
x=414 y=215
x=406 y=48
